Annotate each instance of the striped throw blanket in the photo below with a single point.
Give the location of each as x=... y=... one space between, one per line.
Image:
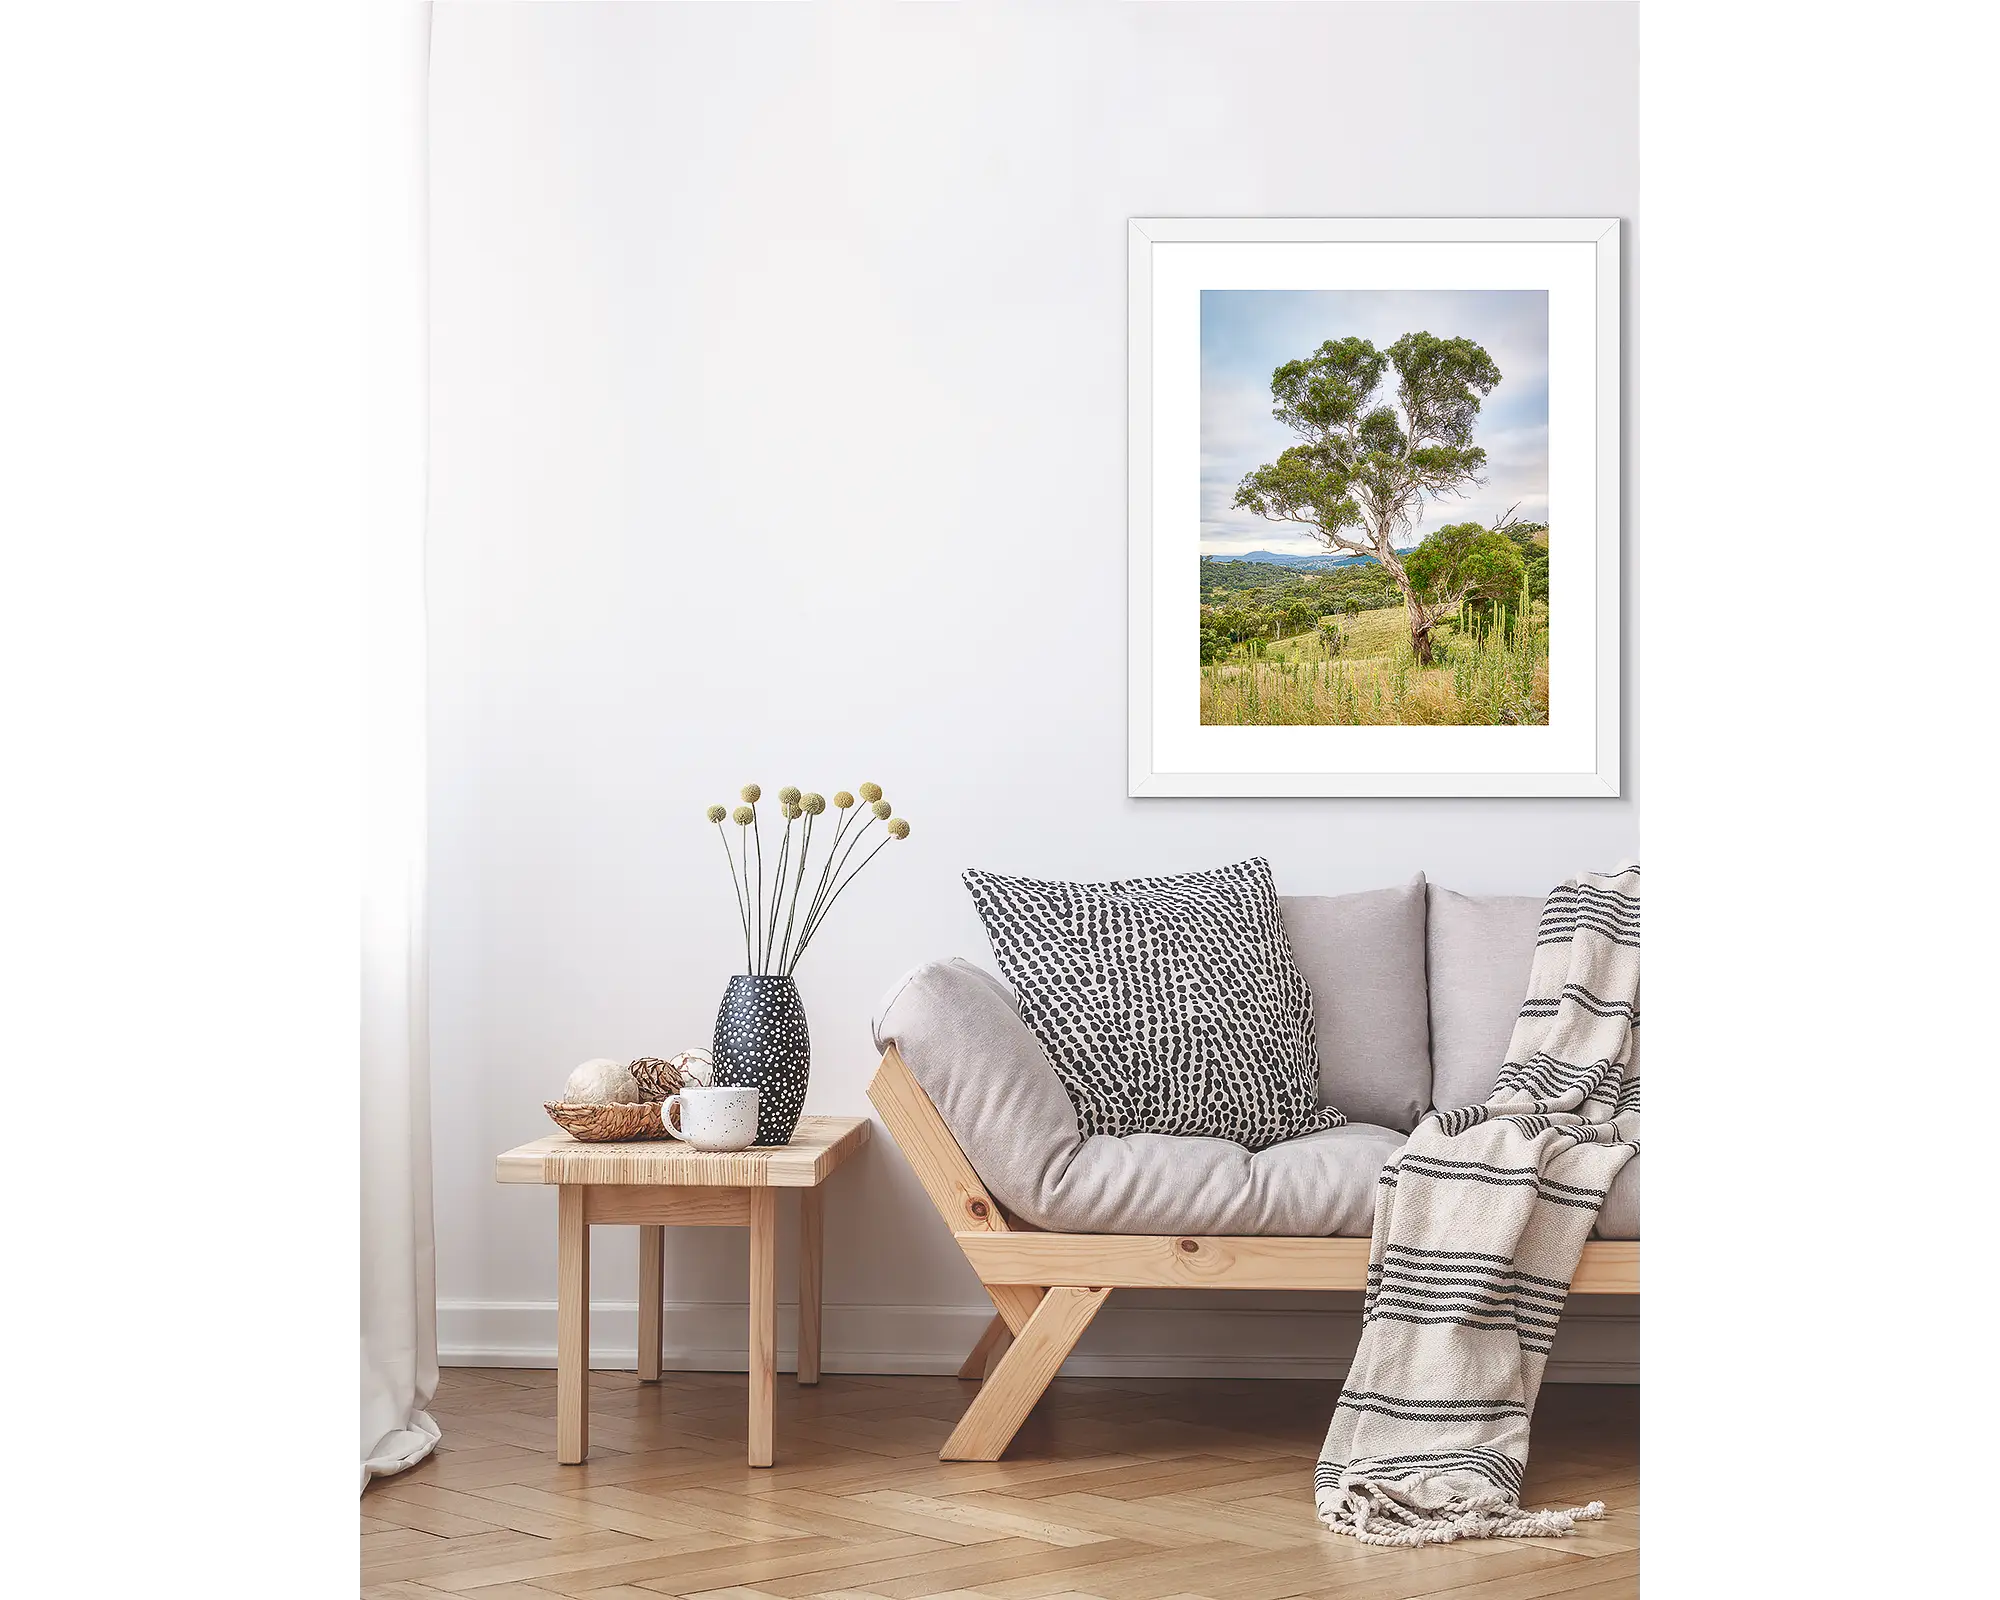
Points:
x=1478 y=1226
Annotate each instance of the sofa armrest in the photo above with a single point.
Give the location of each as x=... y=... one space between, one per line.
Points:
x=957 y=1030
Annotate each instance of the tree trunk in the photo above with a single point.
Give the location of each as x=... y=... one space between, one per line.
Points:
x=1420 y=642
x=1421 y=617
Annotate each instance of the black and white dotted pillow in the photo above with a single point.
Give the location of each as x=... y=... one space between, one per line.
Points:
x=1165 y=1005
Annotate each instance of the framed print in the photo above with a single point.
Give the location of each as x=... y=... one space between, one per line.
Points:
x=1373 y=504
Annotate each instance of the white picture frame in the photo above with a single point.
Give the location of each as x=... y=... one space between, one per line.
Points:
x=1171 y=260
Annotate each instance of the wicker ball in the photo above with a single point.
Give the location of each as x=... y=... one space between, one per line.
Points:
x=656 y=1078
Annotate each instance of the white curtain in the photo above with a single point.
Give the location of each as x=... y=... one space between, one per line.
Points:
x=398 y=1268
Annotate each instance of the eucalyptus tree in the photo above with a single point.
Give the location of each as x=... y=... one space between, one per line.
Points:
x=1370 y=460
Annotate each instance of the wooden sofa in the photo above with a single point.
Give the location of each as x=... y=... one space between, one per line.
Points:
x=1046 y=1287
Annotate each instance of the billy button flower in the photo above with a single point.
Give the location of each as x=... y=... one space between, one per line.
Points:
x=778 y=929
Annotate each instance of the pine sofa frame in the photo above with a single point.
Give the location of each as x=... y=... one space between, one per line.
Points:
x=1046 y=1287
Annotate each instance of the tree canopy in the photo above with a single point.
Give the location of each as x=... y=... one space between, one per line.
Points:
x=1465 y=561
x=1367 y=466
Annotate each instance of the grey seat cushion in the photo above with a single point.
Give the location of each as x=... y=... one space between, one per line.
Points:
x=1363 y=957
x=1619 y=1218
x=1481 y=947
x=957 y=1029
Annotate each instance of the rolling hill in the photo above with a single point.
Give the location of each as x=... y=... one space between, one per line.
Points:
x=1299 y=563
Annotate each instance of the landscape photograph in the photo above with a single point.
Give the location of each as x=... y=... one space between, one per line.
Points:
x=1374 y=494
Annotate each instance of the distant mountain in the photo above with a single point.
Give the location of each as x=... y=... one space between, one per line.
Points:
x=1272 y=558
x=1306 y=563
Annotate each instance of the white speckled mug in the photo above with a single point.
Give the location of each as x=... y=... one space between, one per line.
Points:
x=712 y=1119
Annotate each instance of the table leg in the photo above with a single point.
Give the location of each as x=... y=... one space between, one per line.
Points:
x=572 y=1327
x=812 y=1235
x=652 y=1247
x=763 y=1321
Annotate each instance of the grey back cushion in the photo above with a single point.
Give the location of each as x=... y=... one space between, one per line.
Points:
x=957 y=1029
x=1363 y=957
x=1481 y=947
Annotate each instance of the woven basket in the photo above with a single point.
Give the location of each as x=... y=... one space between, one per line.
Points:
x=603 y=1124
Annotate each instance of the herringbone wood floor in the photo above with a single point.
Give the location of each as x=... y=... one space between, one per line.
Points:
x=1127 y=1489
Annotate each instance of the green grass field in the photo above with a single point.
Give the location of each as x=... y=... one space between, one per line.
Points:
x=1495 y=675
x=1372 y=633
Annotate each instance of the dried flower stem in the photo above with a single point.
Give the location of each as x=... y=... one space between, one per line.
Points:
x=757 y=824
x=806 y=938
x=791 y=910
x=742 y=910
x=777 y=897
x=830 y=887
x=836 y=883
x=826 y=870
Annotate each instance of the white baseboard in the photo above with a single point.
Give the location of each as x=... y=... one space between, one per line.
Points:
x=1593 y=1346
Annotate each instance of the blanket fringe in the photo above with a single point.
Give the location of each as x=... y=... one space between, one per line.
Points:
x=1372 y=1517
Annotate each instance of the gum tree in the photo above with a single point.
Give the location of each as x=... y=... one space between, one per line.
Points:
x=1369 y=460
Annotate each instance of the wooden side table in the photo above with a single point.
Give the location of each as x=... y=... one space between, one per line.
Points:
x=663 y=1184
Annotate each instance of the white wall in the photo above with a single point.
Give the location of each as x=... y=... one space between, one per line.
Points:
x=778 y=411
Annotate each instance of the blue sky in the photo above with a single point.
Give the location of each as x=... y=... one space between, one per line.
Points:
x=1246 y=333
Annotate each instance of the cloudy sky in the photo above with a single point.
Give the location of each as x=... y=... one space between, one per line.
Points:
x=1246 y=333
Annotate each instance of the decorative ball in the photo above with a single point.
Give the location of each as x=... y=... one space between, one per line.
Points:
x=696 y=1067
x=656 y=1078
x=602 y=1083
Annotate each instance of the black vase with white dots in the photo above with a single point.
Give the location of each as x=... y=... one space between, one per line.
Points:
x=761 y=1043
